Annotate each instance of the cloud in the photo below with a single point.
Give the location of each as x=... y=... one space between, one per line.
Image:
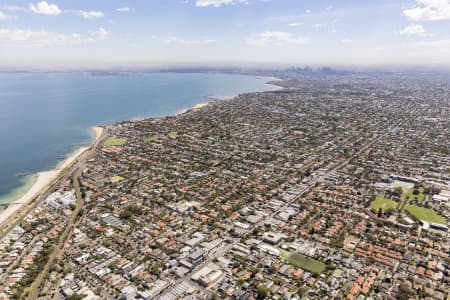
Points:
x=90 y=14
x=4 y=16
x=276 y=38
x=346 y=41
x=100 y=34
x=13 y=8
x=295 y=24
x=43 y=8
x=437 y=44
x=42 y=38
x=217 y=3
x=414 y=29
x=177 y=40
x=428 y=10
x=123 y=9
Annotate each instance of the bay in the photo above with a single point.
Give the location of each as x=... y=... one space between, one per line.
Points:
x=46 y=116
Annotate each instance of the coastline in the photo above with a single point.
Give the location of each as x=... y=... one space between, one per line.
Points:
x=196 y=106
x=272 y=82
x=43 y=180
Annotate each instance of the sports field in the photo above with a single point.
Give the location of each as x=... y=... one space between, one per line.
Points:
x=151 y=139
x=117 y=178
x=173 y=134
x=425 y=214
x=382 y=203
x=115 y=142
x=406 y=186
x=303 y=262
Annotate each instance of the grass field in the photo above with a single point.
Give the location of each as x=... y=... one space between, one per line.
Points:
x=151 y=139
x=117 y=178
x=425 y=214
x=406 y=186
x=411 y=196
x=173 y=134
x=303 y=262
x=382 y=203
x=115 y=142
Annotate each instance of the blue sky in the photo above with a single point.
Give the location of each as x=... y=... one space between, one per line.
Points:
x=253 y=32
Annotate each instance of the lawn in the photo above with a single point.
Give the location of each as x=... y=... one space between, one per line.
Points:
x=151 y=139
x=114 y=141
x=117 y=178
x=382 y=203
x=173 y=134
x=425 y=214
x=303 y=262
x=411 y=196
x=406 y=186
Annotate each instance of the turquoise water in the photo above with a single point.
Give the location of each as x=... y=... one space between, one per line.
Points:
x=44 y=117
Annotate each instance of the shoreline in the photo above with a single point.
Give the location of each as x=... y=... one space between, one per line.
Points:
x=44 y=179
x=272 y=82
x=196 y=106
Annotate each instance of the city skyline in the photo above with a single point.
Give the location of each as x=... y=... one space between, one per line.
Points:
x=225 y=32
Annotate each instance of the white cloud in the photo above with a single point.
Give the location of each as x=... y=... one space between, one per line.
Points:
x=13 y=8
x=330 y=7
x=123 y=9
x=346 y=41
x=414 y=29
x=428 y=10
x=295 y=24
x=276 y=38
x=90 y=14
x=177 y=40
x=44 y=8
x=4 y=16
x=437 y=44
x=42 y=38
x=100 y=34
x=217 y=3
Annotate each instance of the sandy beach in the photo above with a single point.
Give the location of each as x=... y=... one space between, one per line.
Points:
x=196 y=106
x=44 y=179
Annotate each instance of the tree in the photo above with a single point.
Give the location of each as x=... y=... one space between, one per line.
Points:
x=263 y=292
x=380 y=213
x=404 y=292
x=397 y=191
x=76 y=296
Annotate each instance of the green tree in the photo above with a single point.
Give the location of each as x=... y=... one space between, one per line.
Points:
x=76 y=296
x=404 y=292
x=262 y=292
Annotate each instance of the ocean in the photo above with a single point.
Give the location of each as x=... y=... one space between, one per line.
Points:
x=46 y=116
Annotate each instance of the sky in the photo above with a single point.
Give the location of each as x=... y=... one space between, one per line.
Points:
x=225 y=32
